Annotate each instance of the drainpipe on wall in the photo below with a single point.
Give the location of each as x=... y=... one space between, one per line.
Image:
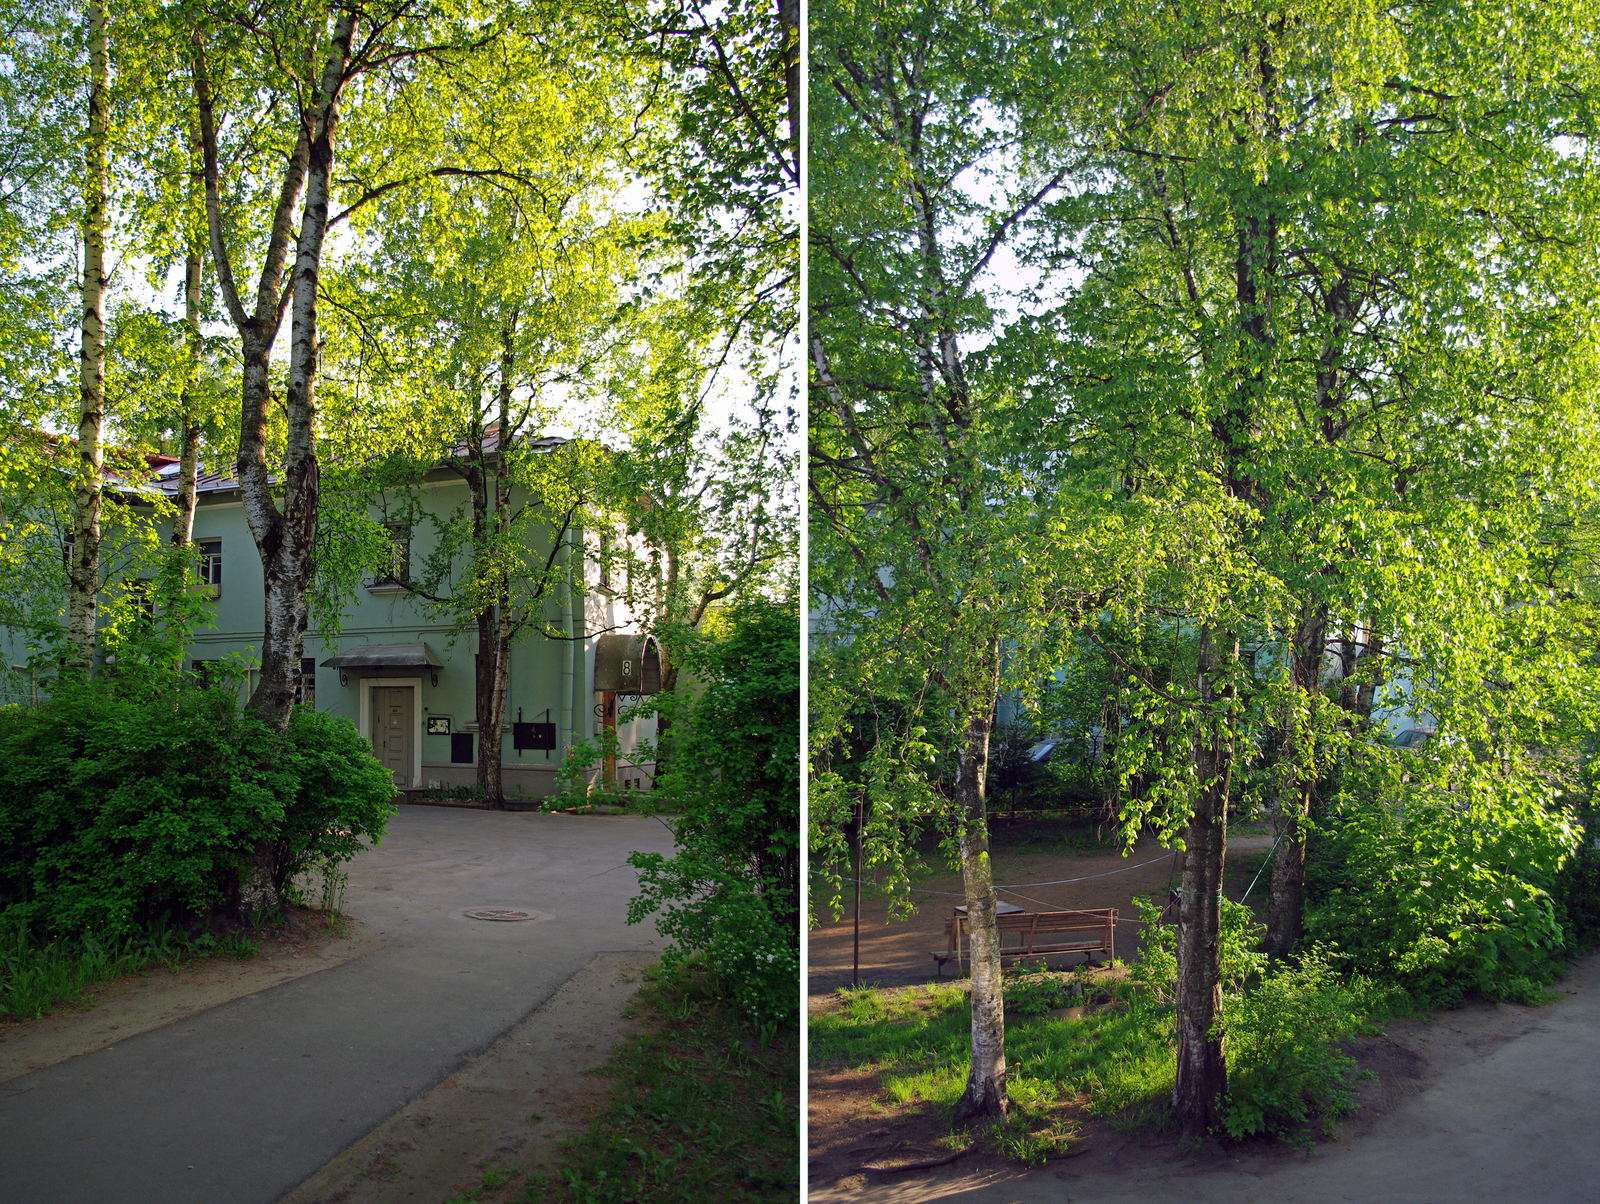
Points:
x=567 y=672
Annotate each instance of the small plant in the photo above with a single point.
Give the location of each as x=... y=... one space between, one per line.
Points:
x=334 y=881
x=1285 y=1069
x=1034 y=992
x=240 y=947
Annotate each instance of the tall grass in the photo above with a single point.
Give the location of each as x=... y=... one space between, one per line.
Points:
x=37 y=975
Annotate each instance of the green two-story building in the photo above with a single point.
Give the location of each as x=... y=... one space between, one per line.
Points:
x=399 y=671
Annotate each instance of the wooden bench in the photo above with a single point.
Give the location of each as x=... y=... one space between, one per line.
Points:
x=1037 y=934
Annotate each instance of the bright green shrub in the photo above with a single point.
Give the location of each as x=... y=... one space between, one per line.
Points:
x=1284 y=1061
x=115 y=811
x=342 y=795
x=1449 y=897
x=730 y=772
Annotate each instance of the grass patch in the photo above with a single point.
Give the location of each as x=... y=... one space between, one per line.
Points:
x=1116 y=1062
x=700 y=1110
x=37 y=976
x=1288 y=1075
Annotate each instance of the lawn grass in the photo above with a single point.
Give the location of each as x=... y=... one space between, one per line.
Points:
x=1115 y=1063
x=699 y=1110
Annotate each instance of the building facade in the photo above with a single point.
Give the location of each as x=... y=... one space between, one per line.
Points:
x=398 y=670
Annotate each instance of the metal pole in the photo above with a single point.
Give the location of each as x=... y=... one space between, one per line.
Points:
x=855 y=968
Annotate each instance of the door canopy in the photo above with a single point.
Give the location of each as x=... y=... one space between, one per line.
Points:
x=627 y=663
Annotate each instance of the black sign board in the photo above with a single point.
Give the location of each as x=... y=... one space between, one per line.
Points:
x=461 y=748
x=534 y=735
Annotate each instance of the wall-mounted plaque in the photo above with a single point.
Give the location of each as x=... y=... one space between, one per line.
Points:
x=534 y=735
x=439 y=726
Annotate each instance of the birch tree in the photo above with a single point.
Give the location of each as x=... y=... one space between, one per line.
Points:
x=1304 y=247
x=932 y=501
x=84 y=579
x=482 y=302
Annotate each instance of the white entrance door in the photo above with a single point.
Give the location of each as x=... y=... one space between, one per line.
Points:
x=394 y=730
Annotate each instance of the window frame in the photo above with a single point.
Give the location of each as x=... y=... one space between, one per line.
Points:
x=210 y=566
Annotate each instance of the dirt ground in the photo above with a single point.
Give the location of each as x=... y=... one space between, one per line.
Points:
x=863 y=1144
x=895 y=953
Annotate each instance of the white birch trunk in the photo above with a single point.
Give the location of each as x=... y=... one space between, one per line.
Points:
x=189 y=452
x=985 y=1094
x=84 y=572
x=284 y=541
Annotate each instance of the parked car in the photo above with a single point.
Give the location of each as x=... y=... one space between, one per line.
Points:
x=1412 y=738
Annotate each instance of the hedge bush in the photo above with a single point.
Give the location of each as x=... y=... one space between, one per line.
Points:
x=115 y=811
x=730 y=771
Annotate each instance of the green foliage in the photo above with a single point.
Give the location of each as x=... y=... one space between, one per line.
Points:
x=341 y=796
x=577 y=782
x=1285 y=1064
x=1576 y=896
x=36 y=974
x=729 y=769
x=697 y=1112
x=1157 y=968
x=116 y=811
x=1450 y=896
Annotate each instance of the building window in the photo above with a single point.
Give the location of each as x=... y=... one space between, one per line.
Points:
x=604 y=582
x=210 y=566
x=209 y=673
x=305 y=689
x=399 y=570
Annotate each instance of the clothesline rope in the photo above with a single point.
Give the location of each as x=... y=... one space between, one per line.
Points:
x=1016 y=886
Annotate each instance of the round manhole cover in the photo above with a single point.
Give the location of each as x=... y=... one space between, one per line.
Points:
x=498 y=913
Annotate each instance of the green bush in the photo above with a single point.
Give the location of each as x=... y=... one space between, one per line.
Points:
x=1576 y=893
x=342 y=794
x=730 y=771
x=1447 y=897
x=1285 y=1066
x=117 y=810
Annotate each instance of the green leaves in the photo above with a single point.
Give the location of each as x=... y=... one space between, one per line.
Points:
x=730 y=771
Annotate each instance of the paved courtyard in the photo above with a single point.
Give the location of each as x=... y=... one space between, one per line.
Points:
x=243 y=1101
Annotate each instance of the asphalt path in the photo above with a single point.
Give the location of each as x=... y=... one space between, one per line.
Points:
x=242 y=1102
x=1516 y=1125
